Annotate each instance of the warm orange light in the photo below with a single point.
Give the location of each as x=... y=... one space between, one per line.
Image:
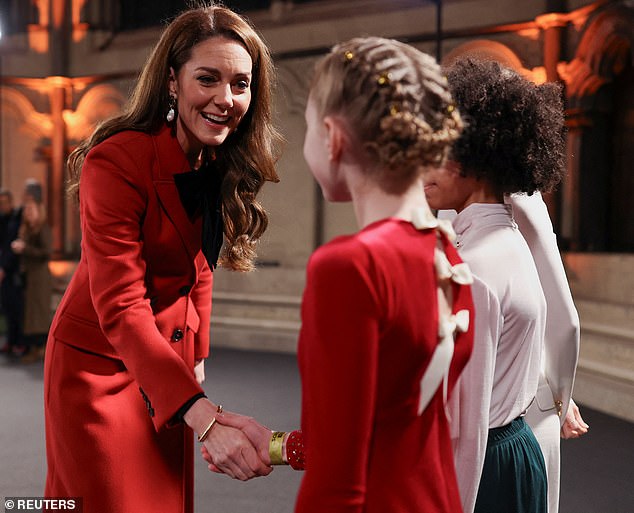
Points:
x=39 y=34
x=38 y=38
x=62 y=268
x=58 y=81
x=59 y=13
x=537 y=75
x=77 y=6
x=529 y=33
x=79 y=29
x=551 y=20
x=43 y=10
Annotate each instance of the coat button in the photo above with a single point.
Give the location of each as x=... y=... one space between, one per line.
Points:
x=184 y=290
x=177 y=335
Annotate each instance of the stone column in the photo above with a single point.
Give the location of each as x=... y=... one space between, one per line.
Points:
x=60 y=32
x=57 y=178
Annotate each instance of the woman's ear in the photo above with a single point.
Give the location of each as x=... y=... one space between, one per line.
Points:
x=171 y=82
x=336 y=138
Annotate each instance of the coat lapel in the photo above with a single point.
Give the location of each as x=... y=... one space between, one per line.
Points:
x=171 y=160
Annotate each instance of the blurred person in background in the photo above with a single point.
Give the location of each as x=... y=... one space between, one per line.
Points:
x=10 y=278
x=34 y=247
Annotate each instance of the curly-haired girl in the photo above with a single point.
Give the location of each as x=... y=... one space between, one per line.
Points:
x=513 y=142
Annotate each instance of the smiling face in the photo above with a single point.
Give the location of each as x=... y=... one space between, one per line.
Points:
x=213 y=93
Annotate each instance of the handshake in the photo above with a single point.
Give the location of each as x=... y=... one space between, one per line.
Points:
x=233 y=444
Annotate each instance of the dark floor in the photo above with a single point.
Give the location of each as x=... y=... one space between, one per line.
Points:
x=597 y=469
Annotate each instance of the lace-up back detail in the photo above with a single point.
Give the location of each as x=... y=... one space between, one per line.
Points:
x=448 y=322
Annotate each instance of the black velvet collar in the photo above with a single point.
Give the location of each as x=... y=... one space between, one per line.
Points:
x=200 y=194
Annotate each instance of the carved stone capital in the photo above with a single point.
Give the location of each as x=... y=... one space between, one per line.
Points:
x=602 y=54
x=580 y=78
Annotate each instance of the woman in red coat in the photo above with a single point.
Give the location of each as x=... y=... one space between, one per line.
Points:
x=160 y=185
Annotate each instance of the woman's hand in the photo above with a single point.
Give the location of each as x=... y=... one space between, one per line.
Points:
x=210 y=462
x=574 y=425
x=231 y=453
x=229 y=448
x=199 y=371
x=258 y=435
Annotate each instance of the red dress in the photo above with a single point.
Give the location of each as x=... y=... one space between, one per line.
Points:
x=369 y=329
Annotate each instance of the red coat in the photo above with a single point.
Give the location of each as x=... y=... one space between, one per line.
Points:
x=122 y=346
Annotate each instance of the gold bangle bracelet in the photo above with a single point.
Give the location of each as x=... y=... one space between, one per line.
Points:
x=276 y=446
x=205 y=433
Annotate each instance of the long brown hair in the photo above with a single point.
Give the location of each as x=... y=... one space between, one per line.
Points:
x=248 y=156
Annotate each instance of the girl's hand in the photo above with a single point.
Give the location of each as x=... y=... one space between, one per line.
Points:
x=574 y=425
x=231 y=453
x=258 y=435
x=229 y=449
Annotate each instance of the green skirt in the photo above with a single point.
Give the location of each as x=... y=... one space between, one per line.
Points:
x=514 y=474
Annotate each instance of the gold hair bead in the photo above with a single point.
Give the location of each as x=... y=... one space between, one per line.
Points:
x=384 y=78
x=394 y=110
x=450 y=108
x=348 y=55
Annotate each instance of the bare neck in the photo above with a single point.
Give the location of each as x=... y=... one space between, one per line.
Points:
x=482 y=192
x=371 y=203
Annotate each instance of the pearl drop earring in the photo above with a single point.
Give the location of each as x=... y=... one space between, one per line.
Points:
x=171 y=113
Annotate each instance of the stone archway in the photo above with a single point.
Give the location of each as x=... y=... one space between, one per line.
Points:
x=16 y=105
x=98 y=103
x=23 y=130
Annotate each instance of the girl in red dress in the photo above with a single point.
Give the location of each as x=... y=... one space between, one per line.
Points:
x=385 y=313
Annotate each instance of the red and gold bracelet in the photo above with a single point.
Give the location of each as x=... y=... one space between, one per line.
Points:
x=295 y=455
